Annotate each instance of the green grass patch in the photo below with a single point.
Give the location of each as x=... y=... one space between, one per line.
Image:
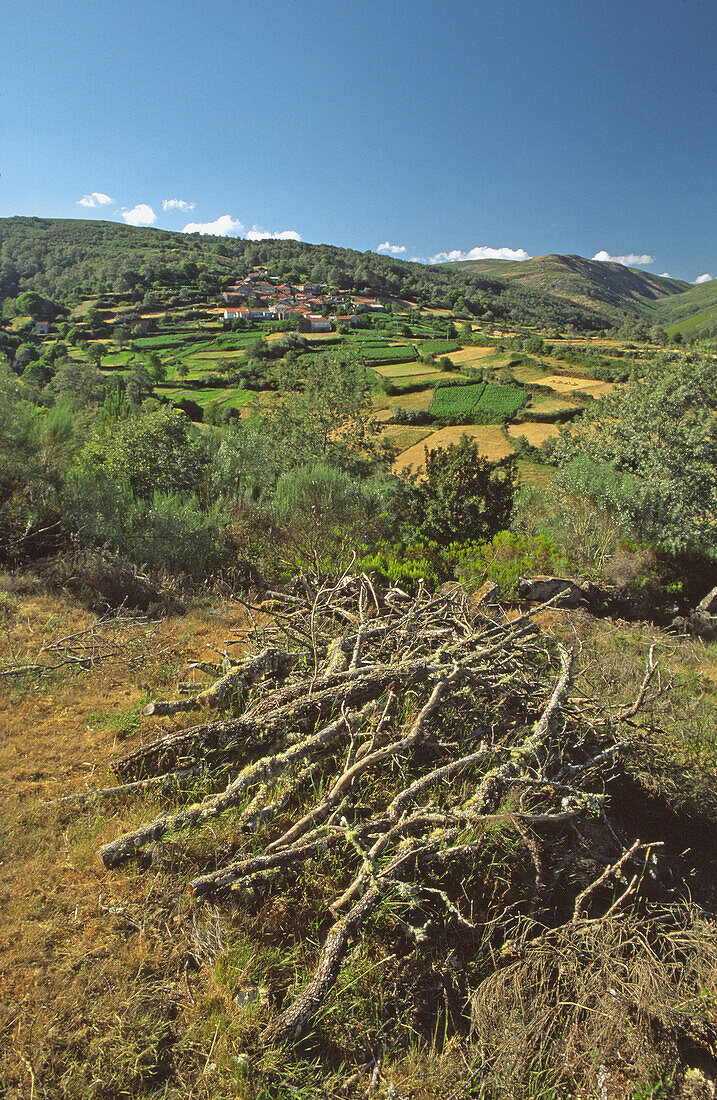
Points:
x=122 y=722
x=229 y=395
x=117 y=359
x=176 y=340
x=407 y=370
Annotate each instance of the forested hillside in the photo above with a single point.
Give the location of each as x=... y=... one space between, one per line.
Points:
x=67 y=260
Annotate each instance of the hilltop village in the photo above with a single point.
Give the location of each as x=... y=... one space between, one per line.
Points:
x=318 y=308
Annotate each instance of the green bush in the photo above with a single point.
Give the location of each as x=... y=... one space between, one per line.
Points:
x=505 y=558
x=322 y=510
x=406 y=565
x=164 y=531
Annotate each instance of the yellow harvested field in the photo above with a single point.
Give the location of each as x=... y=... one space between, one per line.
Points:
x=468 y=357
x=527 y=372
x=534 y=433
x=492 y=442
x=421 y=399
x=561 y=384
x=404 y=437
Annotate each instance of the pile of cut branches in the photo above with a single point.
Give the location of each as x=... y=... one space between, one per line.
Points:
x=397 y=734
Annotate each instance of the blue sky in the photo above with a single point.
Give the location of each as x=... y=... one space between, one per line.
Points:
x=437 y=127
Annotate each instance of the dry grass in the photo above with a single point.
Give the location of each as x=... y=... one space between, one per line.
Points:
x=562 y=384
x=600 y=1004
x=419 y=400
x=91 y=964
x=490 y=438
x=406 y=437
x=534 y=433
x=470 y=357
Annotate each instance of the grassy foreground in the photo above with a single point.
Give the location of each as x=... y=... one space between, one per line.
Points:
x=116 y=983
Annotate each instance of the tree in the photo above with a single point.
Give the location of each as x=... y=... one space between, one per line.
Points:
x=139 y=386
x=79 y=384
x=157 y=369
x=464 y=495
x=649 y=452
x=31 y=304
x=158 y=451
x=96 y=353
x=323 y=411
x=24 y=355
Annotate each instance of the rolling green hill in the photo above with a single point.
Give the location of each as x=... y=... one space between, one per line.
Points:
x=608 y=287
x=68 y=260
x=693 y=313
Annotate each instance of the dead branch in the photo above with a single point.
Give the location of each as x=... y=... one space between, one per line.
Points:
x=391 y=744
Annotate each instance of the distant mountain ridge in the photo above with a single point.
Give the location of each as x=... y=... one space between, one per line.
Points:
x=609 y=287
x=693 y=313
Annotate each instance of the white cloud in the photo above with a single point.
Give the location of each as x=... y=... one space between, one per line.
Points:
x=95 y=198
x=225 y=226
x=256 y=233
x=480 y=252
x=631 y=260
x=177 y=204
x=706 y=278
x=417 y=260
x=665 y=275
x=141 y=214
x=395 y=249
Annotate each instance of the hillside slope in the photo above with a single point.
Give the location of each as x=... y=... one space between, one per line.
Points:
x=693 y=312
x=66 y=260
x=610 y=287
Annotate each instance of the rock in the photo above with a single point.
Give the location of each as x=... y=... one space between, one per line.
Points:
x=709 y=603
x=703 y=625
x=487 y=593
x=541 y=589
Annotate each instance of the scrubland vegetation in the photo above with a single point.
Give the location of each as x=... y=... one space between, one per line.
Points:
x=440 y=844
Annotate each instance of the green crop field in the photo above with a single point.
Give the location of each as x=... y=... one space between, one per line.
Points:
x=478 y=404
x=439 y=347
x=389 y=353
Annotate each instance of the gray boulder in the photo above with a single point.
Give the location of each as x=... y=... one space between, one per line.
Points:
x=540 y=589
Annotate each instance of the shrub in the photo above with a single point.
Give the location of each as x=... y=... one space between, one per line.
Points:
x=407 y=564
x=505 y=558
x=322 y=510
x=464 y=495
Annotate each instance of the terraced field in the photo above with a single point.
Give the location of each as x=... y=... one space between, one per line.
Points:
x=534 y=433
x=490 y=438
x=483 y=403
x=562 y=384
